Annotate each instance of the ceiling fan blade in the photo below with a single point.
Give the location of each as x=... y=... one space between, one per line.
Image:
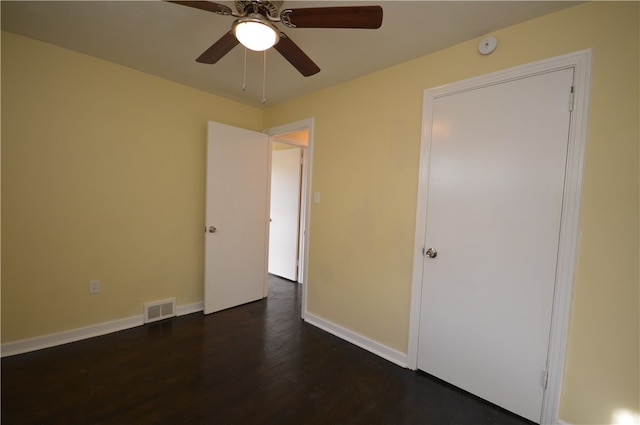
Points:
x=219 y=49
x=296 y=57
x=333 y=17
x=209 y=6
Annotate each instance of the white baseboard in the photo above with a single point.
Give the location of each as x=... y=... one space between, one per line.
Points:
x=370 y=345
x=52 y=340
x=182 y=310
x=59 y=338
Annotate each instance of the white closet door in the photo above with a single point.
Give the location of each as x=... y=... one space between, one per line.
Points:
x=494 y=203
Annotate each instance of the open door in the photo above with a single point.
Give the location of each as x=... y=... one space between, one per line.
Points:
x=236 y=217
x=286 y=174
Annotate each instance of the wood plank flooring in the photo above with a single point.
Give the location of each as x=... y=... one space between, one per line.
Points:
x=254 y=364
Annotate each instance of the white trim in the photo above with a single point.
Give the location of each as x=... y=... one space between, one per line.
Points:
x=569 y=235
x=581 y=62
x=307 y=167
x=52 y=340
x=59 y=338
x=183 y=310
x=363 y=342
x=561 y=422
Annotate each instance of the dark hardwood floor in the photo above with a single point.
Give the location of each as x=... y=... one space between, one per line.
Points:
x=254 y=364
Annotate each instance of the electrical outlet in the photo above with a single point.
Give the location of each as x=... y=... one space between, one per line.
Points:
x=94 y=286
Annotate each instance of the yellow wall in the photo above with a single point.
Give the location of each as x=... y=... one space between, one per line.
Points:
x=102 y=178
x=366 y=146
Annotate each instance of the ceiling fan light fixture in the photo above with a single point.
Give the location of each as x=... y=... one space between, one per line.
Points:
x=255 y=33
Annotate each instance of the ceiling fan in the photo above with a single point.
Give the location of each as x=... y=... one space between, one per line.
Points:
x=255 y=29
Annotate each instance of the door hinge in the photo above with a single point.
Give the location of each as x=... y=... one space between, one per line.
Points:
x=571 y=95
x=545 y=378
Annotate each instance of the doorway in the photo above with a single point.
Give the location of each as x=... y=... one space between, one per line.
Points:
x=288 y=141
x=237 y=212
x=480 y=200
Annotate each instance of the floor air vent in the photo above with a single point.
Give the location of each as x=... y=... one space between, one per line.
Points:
x=159 y=310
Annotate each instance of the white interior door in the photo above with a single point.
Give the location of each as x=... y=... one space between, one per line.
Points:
x=494 y=204
x=285 y=212
x=236 y=217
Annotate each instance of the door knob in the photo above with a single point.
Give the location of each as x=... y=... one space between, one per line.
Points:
x=212 y=229
x=431 y=253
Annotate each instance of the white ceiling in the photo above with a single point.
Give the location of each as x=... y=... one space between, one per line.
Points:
x=164 y=39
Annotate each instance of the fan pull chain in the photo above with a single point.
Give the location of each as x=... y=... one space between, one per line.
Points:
x=264 y=78
x=244 y=73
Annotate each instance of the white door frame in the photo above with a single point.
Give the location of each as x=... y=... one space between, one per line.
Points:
x=569 y=231
x=306 y=124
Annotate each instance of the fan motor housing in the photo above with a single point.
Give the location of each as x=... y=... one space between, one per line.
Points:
x=268 y=8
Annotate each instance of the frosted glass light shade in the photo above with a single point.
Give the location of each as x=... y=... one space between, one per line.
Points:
x=255 y=34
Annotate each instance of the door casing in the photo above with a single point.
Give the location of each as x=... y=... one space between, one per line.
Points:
x=581 y=62
x=305 y=218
